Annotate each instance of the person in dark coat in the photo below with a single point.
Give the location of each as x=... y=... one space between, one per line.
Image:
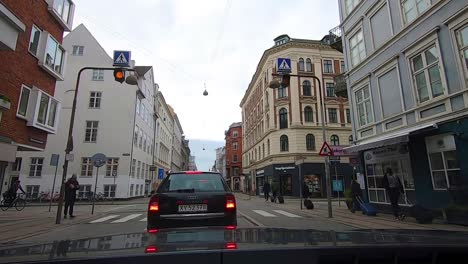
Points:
x=71 y=186
x=356 y=192
x=14 y=189
x=266 y=190
x=394 y=187
x=305 y=191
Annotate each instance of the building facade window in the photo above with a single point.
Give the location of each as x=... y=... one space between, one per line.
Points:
x=348 y=116
x=48 y=109
x=268 y=147
x=91 y=131
x=84 y=191
x=95 y=99
x=112 y=167
x=310 y=142
x=443 y=161
x=109 y=190
x=283 y=117
x=332 y=115
x=335 y=140
x=462 y=41
x=284 y=143
x=23 y=101
x=131 y=189
x=350 y=139
x=234 y=146
x=32 y=191
x=17 y=164
x=98 y=75
x=234 y=158
x=86 y=167
x=357 y=48
x=363 y=106
x=235 y=134
x=132 y=170
x=413 y=8
x=138 y=169
x=63 y=9
x=306 y=88
x=343 y=67
x=263 y=150
x=327 y=66
x=34 y=39
x=308 y=65
x=35 y=169
x=308 y=114
x=77 y=50
x=330 y=87
x=301 y=64
x=350 y=5
x=426 y=74
x=54 y=55
x=282 y=92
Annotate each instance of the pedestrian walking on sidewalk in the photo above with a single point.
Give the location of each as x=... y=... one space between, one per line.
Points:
x=266 y=190
x=392 y=184
x=356 y=192
x=71 y=186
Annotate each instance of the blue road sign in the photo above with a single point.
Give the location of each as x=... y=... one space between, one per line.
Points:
x=337 y=185
x=160 y=174
x=283 y=65
x=122 y=58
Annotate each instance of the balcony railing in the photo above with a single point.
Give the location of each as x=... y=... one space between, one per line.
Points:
x=340 y=85
x=334 y=39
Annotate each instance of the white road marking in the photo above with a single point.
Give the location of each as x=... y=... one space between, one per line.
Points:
x=102 y=219
x=143 y=220
x=263 y=213
x=286 y=213
x=120 y=207
x=125 y=219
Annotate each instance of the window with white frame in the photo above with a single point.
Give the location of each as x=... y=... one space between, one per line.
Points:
x=330 y=87
x=112 y=167
x=131 y=189
x=364 y=106
x=35 y=169
x=34 y=39
x=348 y=116
x=77 y=50
x=95 y=99
x=63 y=8
x=54 y=55
x=443 y=161
x=301 y=64
x=91 y=131
x=138 y=169
x=32 y=191
x=137 y=190
x=23 y=101
x=17 y=164
x=327 y=66
x=98 y=75
x=310 y=142
x=109 y=190
x=334 y=140
x=234 y=145
x=235 y=134
x=135 y=135
x=140 y=139
x=426 y=74
x=413 y=8
x=282 y=93
x=309 y=65
x=308 y=114
x=306 y=88
x=234 y=157
x=86 y=167
x=132 y=173
x=350 y=5
x=343 y=67
x=357 y=48
x=462 y=43
x=332 y=115
x=84 y=191
x=48 y=108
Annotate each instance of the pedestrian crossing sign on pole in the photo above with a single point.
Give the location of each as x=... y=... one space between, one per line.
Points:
x=283 y=65
x=122 y=58
x=326 y=150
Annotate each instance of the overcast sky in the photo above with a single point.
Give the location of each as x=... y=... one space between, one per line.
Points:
x=192 y=42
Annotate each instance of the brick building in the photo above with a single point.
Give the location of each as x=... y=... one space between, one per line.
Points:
x=233 y=137
x=33 y=60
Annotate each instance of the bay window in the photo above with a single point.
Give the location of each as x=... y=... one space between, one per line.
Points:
x=363 y=106
x=63 y=11
x=426 y=74
x=357 y=48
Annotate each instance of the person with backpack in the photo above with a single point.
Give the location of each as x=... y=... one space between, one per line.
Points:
x=266 y=190
x=394 y=187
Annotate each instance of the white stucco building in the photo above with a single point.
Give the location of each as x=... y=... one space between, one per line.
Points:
x=115 y=119
x=164 y=130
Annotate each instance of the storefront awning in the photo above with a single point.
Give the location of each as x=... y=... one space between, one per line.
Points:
x=396 y=137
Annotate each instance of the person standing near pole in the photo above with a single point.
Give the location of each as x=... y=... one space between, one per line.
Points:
x=266 y=190
x=392 y=184
x=356 y=192
x=71 y=186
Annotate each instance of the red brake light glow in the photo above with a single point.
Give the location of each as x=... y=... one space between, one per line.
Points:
x=230 y=245
x=230 y=227
x=154 y=204
x=230 y=202
x=193 y=172
x=152 y=231
x=151 y=249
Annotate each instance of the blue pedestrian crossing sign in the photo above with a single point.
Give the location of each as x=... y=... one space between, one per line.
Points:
x=283 y=65
x=122 y=58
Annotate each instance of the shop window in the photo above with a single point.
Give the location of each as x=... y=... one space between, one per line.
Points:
x=443 y=162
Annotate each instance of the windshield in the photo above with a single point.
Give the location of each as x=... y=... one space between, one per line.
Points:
x=129 y=122
x=204 y=182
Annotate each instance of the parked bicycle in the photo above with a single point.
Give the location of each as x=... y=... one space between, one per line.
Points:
x=43 y=196
x=19 y=202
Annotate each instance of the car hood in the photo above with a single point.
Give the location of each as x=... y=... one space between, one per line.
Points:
x=220 y=238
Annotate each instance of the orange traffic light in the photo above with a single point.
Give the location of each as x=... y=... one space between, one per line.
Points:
x=119 y=75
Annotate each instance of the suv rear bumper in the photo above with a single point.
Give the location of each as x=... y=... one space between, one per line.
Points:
x=192 y=220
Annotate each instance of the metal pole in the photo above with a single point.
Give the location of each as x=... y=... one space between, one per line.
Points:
x=115 y=187
x=300 y=185
x=53 y=188
x=95 y=187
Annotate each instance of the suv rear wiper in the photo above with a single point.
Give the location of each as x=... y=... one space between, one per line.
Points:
x=183 y=190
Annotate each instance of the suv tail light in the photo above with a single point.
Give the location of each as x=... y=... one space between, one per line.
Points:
x=230 y=202
x=154 y=204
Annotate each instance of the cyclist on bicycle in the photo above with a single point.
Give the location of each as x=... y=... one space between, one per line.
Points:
x=14 y=189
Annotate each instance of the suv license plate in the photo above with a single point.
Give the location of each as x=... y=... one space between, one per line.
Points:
x=193 y=208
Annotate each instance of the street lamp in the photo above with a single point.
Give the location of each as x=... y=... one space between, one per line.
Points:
x=283 y=80
x=131 y=80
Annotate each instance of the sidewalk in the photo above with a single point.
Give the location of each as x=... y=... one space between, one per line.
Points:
x=358 y=220
x=141 y=200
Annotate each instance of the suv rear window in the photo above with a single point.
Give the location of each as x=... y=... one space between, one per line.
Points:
x=204 y=182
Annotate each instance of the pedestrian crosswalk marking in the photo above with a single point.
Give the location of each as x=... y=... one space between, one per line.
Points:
x=286 y=213
x=143 y=220
x=263 y=213
x=103 y=219
x=125 y=219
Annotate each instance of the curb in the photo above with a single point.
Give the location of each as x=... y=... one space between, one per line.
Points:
x=251 y=220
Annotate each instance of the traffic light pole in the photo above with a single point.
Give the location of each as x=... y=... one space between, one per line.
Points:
x=324 y=133
x=69 y=147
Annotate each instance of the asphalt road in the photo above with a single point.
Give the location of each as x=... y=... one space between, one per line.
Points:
x=131 y=218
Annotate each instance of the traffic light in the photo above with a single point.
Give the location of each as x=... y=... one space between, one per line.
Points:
x=119 y=75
